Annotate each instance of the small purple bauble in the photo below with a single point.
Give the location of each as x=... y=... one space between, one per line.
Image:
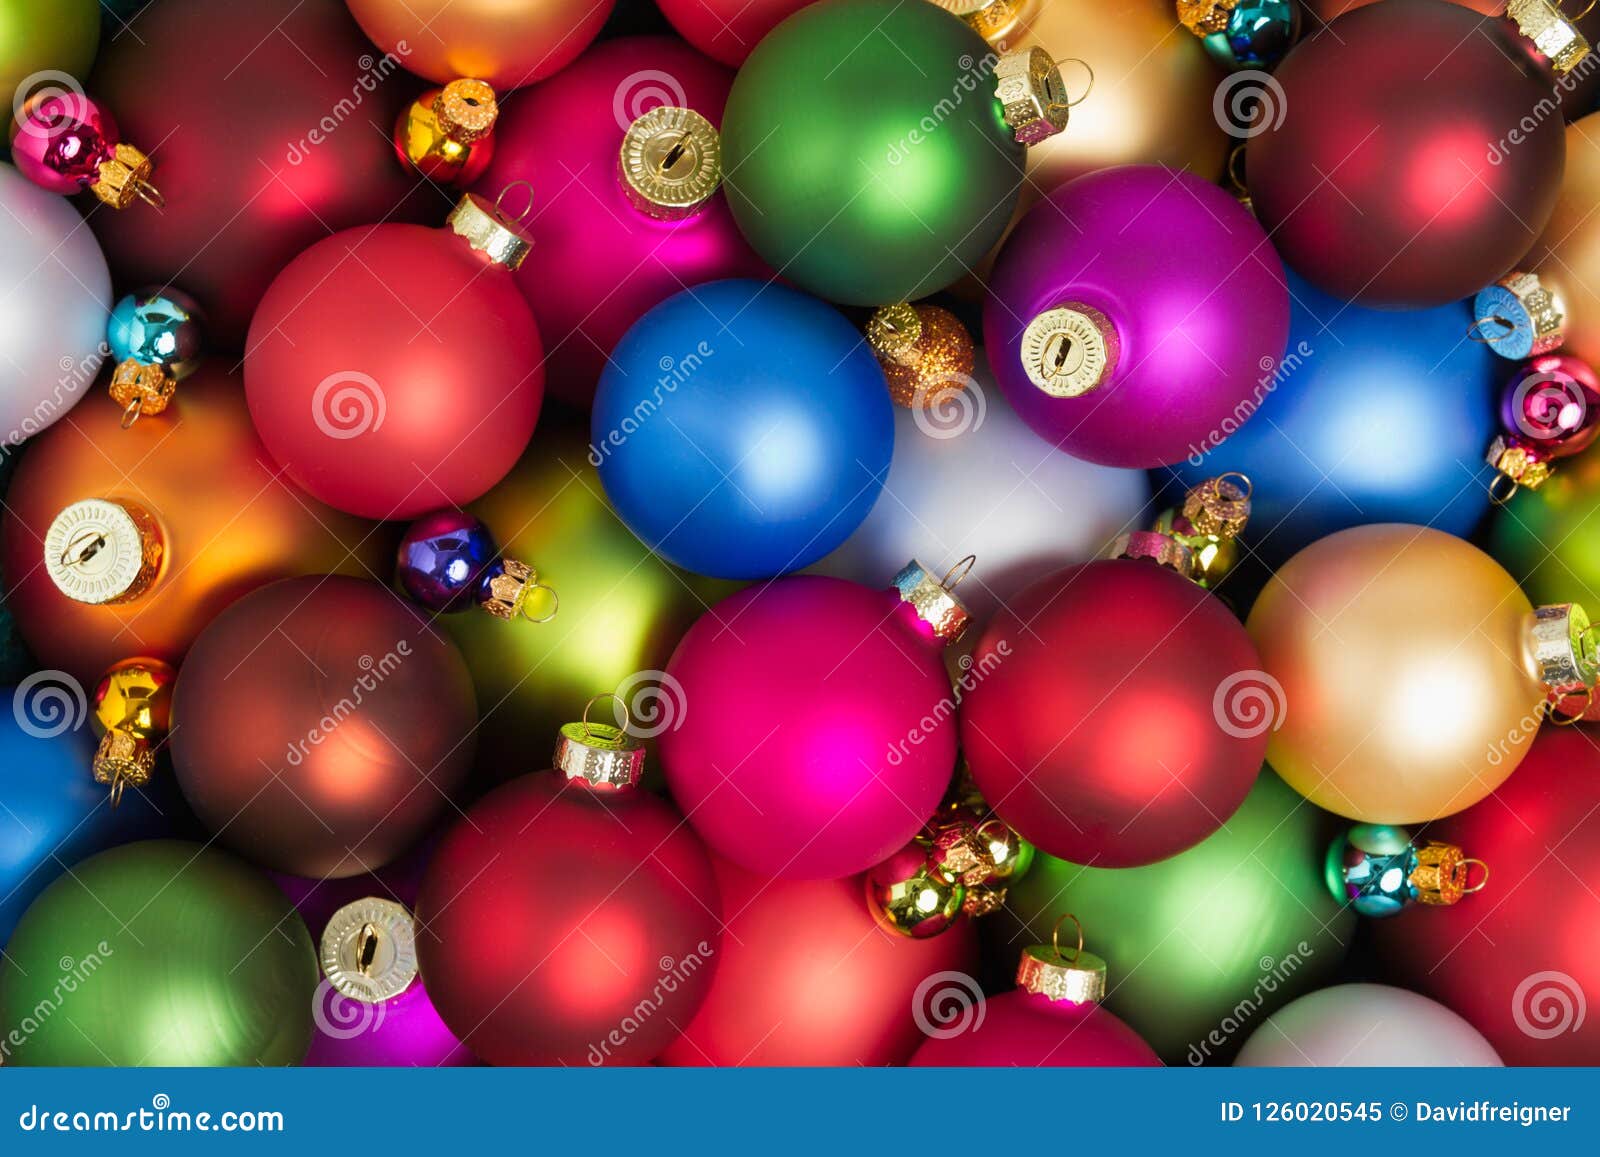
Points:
x=1131 y=312
x=445 y=560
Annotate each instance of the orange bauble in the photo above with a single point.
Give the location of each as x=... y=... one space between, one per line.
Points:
x=229 y=523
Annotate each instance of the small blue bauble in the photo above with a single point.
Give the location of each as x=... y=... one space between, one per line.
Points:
x=157 y=327
x=445 y=560
x=1259 y=34
x=742 y=430
x=1371 y=416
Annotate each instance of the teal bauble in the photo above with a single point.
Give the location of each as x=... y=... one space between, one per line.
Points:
x=1258 y=35
x=868 y=158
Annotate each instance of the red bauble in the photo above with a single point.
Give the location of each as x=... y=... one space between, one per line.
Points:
x=808 y=978
x=319 y=725
x=1426 y=179
x=1032 y=1031
x=1115 y=722
x=394 y=369
x=561 y=926
x=1520 y=960
x=269 y=126
x=727 y=30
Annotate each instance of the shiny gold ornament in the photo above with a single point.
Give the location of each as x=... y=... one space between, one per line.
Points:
x=977 y=851
x=925 y=352
x=445 y=133
x=369 y=950
x=100 y=551
x=671 y=161
x=1199 y=540
x=1070 y=974
x=908 y=897
x=141 y=389
x=133 y=710
x=485 y=228
x=983 y=900
x=466 y=109
x=1204 y=17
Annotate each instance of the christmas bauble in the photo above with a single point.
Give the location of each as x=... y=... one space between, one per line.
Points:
x=289 y=142
x=845 y=993
x=1223 y=933
x=1567 y=256
x=55 y=814
x=1366 y=1026
x=1255 y=35
x=893 y=146
x=59 y=290
x=969 y=477
x=401 y=379
x=1094 y=316
x=563 y=925
x=44 y=41
x=1119 y=718
x=742 y=430
x=601 y=255
x=1520 y=968
x=508 y=45
x=727 y=30
x=1417 y=210
x=622 y=608
x=1402 y=661
x=211 y=554
x=320 y=725
x=169 y=954
x=1369 y=416
x=1031 y=1030
x=780 y=687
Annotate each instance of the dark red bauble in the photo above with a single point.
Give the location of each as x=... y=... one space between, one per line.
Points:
x=1520 y=960
x=807 y=977
x=320 y=725
x=392 y=370
x=1030 y=1030
x=560 y=926
x=1117 y=721
x=1426 y=177
x=269 y=124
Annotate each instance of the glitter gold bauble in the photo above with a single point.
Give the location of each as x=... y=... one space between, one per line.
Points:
x=925 y=352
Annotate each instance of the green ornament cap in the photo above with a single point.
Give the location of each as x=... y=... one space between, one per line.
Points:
x=1032 y=95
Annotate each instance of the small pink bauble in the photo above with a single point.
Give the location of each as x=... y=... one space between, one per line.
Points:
x=599 y=262
x=816 y=731
x=61 y=140
x=1029 y=1030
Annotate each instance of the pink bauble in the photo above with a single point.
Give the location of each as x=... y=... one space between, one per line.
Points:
x=1029 y=1030
x=598 y=262
x=393 y=369
x=1183 y=291
x=727 y=30
x=815 y=734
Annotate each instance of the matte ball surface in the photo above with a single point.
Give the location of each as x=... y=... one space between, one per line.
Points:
x=727 y=30
x=43 y=36
x=1366 y=1026
x=1022 y=1028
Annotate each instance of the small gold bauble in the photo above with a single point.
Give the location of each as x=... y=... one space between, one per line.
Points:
x=920 y=906
x=925 y=353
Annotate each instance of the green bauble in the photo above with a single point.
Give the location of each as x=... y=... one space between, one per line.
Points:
x=1549 y=538
x=159 y=953
x=1204 y=946
x=866 y=155
x=45 y=36
x=622 y=609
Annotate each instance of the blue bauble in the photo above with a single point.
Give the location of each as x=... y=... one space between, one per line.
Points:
x=52 y=813
x=1258 y=35
x=157 y=327
x=742 y=430
x=1371 y=416
x=445 y=560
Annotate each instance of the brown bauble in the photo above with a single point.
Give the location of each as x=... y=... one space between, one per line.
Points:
x=229 y=522
x=321 y=724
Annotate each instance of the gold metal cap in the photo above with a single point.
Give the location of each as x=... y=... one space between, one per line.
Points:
x=1515 y=465
x=1204 y=17
x=984 y=900
x=515 y=590
x=98 y=551
x=121 y=761
x=126 y=176
x=894 y=330
x=934 y=599
x=466 y=109
x=491 y=232
x=1074 y=975
x=1563 y=648
x=994 y=20
x=369 y=950
x=1440 y=876
x=1070 y=350
x=605 y=757
x=671 y=162
x=1555 y=36
x=141 y=389
x=1219 y=507
x=1032 y=95
x=1156 y=546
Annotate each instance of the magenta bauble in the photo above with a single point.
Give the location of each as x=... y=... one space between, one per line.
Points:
x=816 y=732
x=1030 y=1030
x=1131 y=312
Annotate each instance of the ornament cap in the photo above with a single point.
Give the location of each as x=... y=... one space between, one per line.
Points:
x=1563 y=648
x=1219 y=507
x=466 y=109
x=124 y=176
x=1070 y=350
x=893 y=332
x=993 y=20
x=1073 y=975
x=1518 y=317
x=1442 y=872
x=485 y=228
x=604 y=757
x=369 y=950
x=671 y=162
x=1555 y=36
x=1515 y=465
x=141 y=389
x=1156 y=546
x=935 y=599
x=1205 y=17
x=101 y=551
x=1032 y=95
x=514 y=590
x=122 y=760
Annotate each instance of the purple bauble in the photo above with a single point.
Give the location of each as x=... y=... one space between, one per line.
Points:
x=1132 y=311
x=445 y=560
x=1551 y=405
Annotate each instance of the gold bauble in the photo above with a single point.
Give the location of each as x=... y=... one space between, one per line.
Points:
x=1408 y=687
x=1567 y=256
x=135 y=696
